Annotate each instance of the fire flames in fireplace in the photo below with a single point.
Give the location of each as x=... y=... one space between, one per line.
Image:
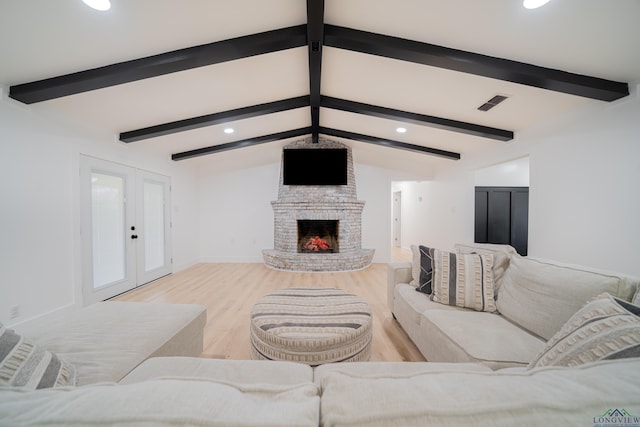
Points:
x=317 y=244
x=318 y=236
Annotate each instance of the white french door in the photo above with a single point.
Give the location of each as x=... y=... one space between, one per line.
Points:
x=153 y=217
x=126 y=238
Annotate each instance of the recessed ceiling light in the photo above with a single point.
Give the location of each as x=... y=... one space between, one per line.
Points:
x=101 y=5
x=534 y=4
x=401 y=130
x=229 y=130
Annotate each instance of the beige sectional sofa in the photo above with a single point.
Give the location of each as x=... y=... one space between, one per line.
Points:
x=136 y=389
x=207 y=392
x=534 y=298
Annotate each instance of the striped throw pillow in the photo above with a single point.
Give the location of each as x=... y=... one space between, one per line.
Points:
x=604 y=328
x=463 y=280
x=25 y=364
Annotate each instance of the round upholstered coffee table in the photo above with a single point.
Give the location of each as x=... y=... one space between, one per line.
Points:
x=312 y=326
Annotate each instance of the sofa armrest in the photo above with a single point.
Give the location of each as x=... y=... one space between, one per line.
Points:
x=397 y=272
x=107 y=340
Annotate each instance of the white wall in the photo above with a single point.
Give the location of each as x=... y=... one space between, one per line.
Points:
x=514 y=173
x=584 y=195
x=39 y=220
x=583 y=198
x=36 y=227
x=374 y=187
x=236 y=218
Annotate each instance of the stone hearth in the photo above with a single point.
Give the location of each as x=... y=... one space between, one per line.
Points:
x=337 y=203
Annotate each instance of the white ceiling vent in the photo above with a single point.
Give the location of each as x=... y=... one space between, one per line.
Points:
x=492 y=102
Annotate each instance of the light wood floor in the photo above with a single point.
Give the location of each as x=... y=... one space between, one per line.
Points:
x=229 y=291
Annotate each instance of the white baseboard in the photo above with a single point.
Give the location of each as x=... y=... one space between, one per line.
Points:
x=52 y=314
x=231 y=260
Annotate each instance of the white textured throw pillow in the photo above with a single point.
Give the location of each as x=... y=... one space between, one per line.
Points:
x=463 y=280
x=501 y=256
x=605 y=328
x=25 y=364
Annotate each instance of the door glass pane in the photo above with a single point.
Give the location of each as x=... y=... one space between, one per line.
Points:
x=153 y=225
x=108 y=226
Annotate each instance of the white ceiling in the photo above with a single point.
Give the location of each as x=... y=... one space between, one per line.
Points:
x=47 y=38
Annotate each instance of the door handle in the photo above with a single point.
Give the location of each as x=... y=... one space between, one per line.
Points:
x=134 y=236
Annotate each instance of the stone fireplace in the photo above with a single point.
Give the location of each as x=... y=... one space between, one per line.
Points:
x=318 y=227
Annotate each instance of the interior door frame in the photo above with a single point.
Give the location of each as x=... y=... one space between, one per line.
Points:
x=396 y=218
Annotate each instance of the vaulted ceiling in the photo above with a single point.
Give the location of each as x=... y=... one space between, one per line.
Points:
x=169 y=75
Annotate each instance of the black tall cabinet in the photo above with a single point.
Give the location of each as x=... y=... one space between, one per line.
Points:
x=502 y=216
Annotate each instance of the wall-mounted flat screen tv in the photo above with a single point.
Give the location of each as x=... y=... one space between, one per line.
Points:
x=314 y=166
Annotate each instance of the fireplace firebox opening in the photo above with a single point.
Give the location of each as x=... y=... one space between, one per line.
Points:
x=318 y=236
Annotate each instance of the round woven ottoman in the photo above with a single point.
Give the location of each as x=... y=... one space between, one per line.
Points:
x=312 y=326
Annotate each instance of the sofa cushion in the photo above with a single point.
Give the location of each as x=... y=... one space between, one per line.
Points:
x=25 y=364
x=234 y=371
x=636 y=298
x=105 y=341
x=463 y=280
x=541 y=397
x=393 y=369
x=410 y=304
x=166 y=402
x=541 y=296
x=501 y=256
x=478 y=337
x=605 y=328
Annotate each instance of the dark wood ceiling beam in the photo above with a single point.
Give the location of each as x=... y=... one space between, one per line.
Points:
x=315 y=37
x=474 y=63
x=241 y=144
x=157 y=65
x=415 y=118
x=214 y=119
x=390 y=143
